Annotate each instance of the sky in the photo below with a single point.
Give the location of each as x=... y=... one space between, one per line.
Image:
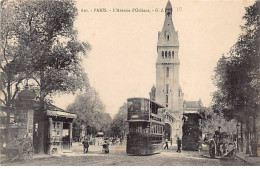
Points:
x=122 y=61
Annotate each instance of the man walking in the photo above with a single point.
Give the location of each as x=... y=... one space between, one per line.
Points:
x=179 y=145
x=85 y=145
x=166 y=144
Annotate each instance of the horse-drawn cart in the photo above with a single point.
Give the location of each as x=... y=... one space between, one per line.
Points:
x=20 y=148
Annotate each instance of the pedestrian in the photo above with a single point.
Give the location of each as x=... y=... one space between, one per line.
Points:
x=166 y=144
x=105 y=147
x=212 y=148
x=85 y=145
x=178 y=145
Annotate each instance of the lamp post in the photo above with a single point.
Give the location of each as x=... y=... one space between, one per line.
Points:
x=237 y=137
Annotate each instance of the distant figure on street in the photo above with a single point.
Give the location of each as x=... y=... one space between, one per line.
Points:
x=105 y=147
x=212 y=148
x=179 y=145
x=85 y=145
x=166 y=144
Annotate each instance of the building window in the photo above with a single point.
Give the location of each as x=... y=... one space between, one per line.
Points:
x=168 y=14
x=162 y=53
x=165 y=54
x=172 y=54
x=167 y=72
x=167 y=88
x=168 y=37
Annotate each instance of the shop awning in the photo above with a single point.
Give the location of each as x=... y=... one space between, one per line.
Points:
x=61 y=114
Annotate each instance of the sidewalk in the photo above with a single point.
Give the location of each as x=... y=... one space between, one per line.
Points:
x=3 y=159
x=254 y=161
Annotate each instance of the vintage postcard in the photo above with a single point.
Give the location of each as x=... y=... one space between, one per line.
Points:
x=130 y=83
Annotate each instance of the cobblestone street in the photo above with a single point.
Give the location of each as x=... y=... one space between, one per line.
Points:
x=118 y=157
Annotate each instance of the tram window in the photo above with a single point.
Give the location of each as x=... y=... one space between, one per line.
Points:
x=142 y=105
x=146 y=105
x=134 y=105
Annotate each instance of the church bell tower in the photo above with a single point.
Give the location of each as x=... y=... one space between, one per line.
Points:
x=167 y=64
x=168 y=91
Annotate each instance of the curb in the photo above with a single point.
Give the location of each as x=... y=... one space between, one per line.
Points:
x=241 y=158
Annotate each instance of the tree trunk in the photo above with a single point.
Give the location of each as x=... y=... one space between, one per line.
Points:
x=42 y=127
x=242 y=138
x=8 y=112
x=8 y=130
x=247 y=137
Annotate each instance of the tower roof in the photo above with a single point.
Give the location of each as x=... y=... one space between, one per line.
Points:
x=153 y=88
x=168 y=36
x=169 y=5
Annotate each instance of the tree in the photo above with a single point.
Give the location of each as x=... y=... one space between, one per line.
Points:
x=50 y=48
x=90 y=112
x=13 y=67
x=119 y=125
x=213 y=120
x=237 y=76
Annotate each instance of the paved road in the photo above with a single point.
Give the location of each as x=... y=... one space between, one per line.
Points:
x=118 y=157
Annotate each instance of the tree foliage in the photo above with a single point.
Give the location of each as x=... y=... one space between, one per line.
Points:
x=90 y=112
x=119 y=125
x=212 y=121
x=237 y=75
x=39 y=42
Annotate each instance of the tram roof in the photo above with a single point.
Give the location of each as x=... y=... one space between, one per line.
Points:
x=159 y=105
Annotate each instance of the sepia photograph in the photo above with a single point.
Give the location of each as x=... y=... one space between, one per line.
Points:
x=130 y=83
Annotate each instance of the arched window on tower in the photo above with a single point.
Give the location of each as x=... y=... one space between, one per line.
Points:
x=172 y=54
x=167 y=72
x=165 y=54
x=168 y=14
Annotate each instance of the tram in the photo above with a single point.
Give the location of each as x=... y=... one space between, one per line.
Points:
x=146 y=126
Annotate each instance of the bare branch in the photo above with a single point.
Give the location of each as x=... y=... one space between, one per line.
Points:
x=1 y=67
x=3 y=102
x=4 y=93
x=35 y=80
x=16 y=87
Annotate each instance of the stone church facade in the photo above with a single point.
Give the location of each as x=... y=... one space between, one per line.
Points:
x=167 y=90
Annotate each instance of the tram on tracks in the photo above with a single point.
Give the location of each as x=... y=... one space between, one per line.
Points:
x=146 y=126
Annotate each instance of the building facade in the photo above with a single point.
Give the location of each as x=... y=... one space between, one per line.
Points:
x=167 y=90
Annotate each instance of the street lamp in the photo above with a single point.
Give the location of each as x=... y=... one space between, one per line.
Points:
x=237 y=137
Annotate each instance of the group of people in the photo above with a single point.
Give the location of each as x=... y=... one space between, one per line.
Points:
x=178 y=144
x=85 y=143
